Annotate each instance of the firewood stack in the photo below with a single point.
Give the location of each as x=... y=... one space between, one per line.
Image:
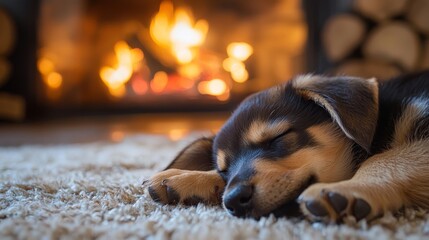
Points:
x=379 y=38
x=7 y=36
x=11 y=105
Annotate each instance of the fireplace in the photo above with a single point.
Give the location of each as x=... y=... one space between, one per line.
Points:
x=130 y=56
x=79 y=57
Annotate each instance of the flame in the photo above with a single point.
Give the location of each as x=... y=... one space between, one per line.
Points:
x=175 y=30
x=159 y=82
x=116 y=77
x=215 y=87
x=139 y=86
x=45 y=66
x=50 y=77
x=53 y=80
x=190 y=71
x=238 y=52
x=183 y=34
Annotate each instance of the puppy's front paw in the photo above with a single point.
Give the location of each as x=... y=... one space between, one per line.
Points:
x=335 y=202
x=175 y=186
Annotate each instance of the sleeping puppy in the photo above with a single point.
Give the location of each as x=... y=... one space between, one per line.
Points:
x=333 y=147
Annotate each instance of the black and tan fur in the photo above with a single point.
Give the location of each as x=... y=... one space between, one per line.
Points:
x=336 y=146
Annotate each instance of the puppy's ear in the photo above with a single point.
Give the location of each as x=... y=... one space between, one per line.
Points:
x=352 y=103
x=196 y=156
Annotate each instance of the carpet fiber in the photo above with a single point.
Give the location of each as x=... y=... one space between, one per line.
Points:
x=87 y=191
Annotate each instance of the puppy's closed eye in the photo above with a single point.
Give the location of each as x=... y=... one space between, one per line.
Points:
x=279 y=138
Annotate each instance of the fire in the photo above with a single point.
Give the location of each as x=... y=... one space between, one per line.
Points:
x=238 y=52
x=159 y=82
x=215 y=87
x=50 y=77
x=54 y=80
x=175 y=30
x=116 y=77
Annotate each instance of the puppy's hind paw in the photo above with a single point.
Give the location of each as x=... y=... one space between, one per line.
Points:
x=332 y=204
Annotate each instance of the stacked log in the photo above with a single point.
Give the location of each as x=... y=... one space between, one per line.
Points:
x=379 y=38
x=7 y=40
x=12 y=106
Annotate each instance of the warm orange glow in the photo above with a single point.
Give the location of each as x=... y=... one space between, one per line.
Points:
x=175 y=31
x=237 y=69
x=159 y=82
x=215 y=87
x=53 y=80
x=183 y=55
x=231 y=64
x=191 y=71
x=184 y=34
x=161 y=24
x=224 y=96
x=116 y=77
x=239 y=50
x=117 y=91
x=137 y=55
x=117 y=136
x=177 y=134
x=139 y=86
x=45 y=66
x=240 y=75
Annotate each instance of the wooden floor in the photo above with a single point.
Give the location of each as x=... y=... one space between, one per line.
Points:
x=113 y=128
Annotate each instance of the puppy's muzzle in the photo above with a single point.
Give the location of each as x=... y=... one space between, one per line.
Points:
x=238 y=201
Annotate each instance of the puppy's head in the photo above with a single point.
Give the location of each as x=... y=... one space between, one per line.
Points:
x=281 y=140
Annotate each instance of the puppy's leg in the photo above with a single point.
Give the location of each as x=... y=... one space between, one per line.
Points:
x=385 y=182
x=190 y=178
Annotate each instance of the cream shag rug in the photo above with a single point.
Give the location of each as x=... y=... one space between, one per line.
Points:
x=87 y=191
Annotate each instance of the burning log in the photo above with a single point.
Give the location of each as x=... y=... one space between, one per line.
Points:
x=418 y=15
x=7 y=33
x=368 y=68
x=342 y=34
x=380 y=10
x=394 y=42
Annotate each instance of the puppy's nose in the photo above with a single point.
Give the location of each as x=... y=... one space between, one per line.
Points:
x=238 y=201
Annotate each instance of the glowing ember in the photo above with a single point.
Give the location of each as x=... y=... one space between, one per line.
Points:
x=50 y=77
x=239 y=74
x=175 y=30
x=239 y=50
x=190 y=71
x=139 y=86
x=117 y=91
x=159 y=82
x=183 y=55
x=45 y=66
x=53 y=80
x=231 y=64
x=215 y=87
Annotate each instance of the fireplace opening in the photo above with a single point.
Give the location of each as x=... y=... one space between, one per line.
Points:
x=164 y=55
